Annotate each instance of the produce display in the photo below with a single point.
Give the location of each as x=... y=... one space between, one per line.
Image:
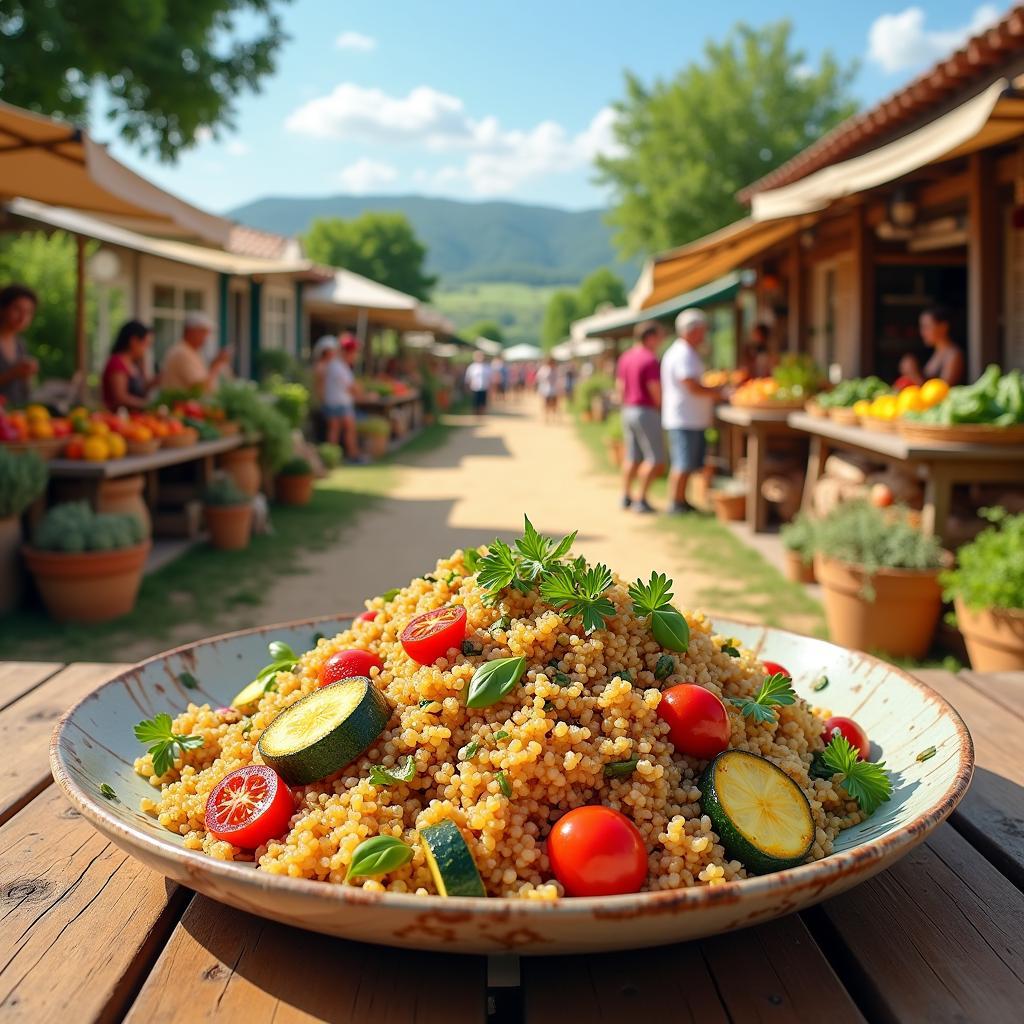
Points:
x=720 y=378
x=385 y=387
x=792 y=382
x=520 y=723
x=994 y=399
x=33 y=423
x=847 y=393
x=908 y=401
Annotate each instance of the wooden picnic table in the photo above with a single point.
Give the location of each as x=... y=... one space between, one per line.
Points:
x=940 y=465
x=89 y=934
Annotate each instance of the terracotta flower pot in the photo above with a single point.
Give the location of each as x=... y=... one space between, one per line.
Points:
x=123 y=496
x=243 y=466
x=230 y=525
x=730 y=508
x=293 y=489
x=797 y=570
x=94 y=586
x=994 y=637
x=901 y=619
x=376 y=445
x=10 y=564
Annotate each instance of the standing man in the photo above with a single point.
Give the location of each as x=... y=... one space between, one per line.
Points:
x=478 y=382
x=639 y=388
x=687 y=405
x=184 y=367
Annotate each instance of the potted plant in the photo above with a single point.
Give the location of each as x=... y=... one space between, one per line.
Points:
x=987 y=588
x=87 y=565
x=613 y=438
x=330 y=455
x=798 y=543
x=228 y=511
x=880 y=579
x=374 y=433
x=294 y=484
x=23 y=478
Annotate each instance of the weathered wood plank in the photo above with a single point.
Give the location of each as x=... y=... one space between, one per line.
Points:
x=1005 y=688
x=80 y=921
x=18 y=677
x=25 y=727
x=991 y=813
x=234 y=967
x=938 y=938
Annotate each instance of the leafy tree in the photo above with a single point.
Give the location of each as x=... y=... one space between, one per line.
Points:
x=691 y=143
x=486 y=329
x=166 y=69
x=561 y=311
x=600 y=287
x=380 y=246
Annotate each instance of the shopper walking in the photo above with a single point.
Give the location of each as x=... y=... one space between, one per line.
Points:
x=638 y=383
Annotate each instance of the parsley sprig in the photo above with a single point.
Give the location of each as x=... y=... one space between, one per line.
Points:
x=165 y=743
x=654 y=600
x=867 y=782
x=776 y=690
x=381 y=776
x=533 y=556
x=579 y=590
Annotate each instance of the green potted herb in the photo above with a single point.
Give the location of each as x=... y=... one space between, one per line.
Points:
x=592 y=396
x=374 y=434
x=23 y=478
x=880 y=579
x=228 y=511
x=294 y=483
x=87 y=565
x=330 y=455
x=263 y=424
x=987 y=588
x=798 y=543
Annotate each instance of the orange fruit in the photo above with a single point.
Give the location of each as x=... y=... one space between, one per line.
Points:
x=40 y=429
x=909 y=400
x=933 y=391
x=74 y=449
x=117 y=446
x=95 y=449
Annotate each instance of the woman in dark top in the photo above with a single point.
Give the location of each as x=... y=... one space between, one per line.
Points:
x=124 y=377
x=946 y=361
x=17 y=367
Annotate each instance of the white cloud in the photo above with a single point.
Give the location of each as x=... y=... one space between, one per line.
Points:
x=900 y=42
x=365 y=175
x=355 y=41
x=204 y=133
x=236 y=147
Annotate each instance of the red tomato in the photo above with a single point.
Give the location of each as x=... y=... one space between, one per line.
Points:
x=346 y=664
x=698 y=721
x=596 y=851
x=854 y=734
x=369 y=615
x=772 y=668
x=249 y=807
x=431 y=634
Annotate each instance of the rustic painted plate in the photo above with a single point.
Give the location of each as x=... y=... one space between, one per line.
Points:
x=93 y=745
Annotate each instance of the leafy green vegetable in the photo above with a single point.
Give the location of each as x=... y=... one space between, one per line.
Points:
x=990 y=569
x=533 y=558
x=776 y=690
x=503 y=784
x=730 y=648
x=579 y=590
x=866 y=782
x=381 y=776
x=653 y=600
x=283 y=659
x=23 y=477
x=497 y=570
x=378 y=856
x=618 y=769
x=107 y=792
x=492 y=680
x=165 y=743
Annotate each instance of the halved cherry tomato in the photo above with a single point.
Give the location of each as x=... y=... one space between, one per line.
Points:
x=249 y=807
x=596 y=851
x=848 y=728
x=369 y=615
x=431 y=634
x=346 y=664
x=772 y=668
x=698 y=721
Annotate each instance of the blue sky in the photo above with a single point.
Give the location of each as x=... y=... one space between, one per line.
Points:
x=481 y=100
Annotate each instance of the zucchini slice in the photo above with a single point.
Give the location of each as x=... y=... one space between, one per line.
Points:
x=758 y=811
x=326 y=730
x=248 y=697
x=450 y=861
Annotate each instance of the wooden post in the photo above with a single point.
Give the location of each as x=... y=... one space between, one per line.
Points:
x=864 y=291
x=81 y=352
x=983 y=276
x=796 y=294
x=737 y=328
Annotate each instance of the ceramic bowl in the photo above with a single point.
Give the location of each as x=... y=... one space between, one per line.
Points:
x=93 y=744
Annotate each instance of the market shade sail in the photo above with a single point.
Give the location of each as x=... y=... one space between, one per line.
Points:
x=572 y=348
x=522 y=353
x=605 y=323
x=57 y=164
x=350 y=295
x=489 y=346
x=992 y=117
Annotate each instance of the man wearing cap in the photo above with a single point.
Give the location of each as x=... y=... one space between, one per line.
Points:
x=184 y=367
x=336 y=388
x=687 y=406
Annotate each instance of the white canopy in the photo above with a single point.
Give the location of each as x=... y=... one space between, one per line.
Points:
x=522 y=353
x=585 y=348
x=609 y=319
x=489 y=347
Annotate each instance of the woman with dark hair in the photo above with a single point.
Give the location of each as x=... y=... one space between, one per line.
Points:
x=17 y=367
x=946 y=362
x=124 y=377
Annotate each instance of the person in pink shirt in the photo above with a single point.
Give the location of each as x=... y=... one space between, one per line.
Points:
x=638 y=382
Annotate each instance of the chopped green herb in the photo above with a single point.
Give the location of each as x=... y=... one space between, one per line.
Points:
x=468 y=752
x=188 y=680
x=247 y=727
x=426 y=703
x=653 y=601
x=378 y=856
x=665 y=667
x=776 y=690
x=503 y=784
x=501 y=625
x=580 y=593
x=468 y=648
x=429 y=578
x=618 y=769
x=381 y=776
x=389 y=595
x=625 y=675
x=492 y=680
x=451 y=577
x=548 y=706
x=107 y=792
x=820 y=684
x=866 y=782
x=562 y=679
x=501 y=735
x=731 y=649
x=165 y=743
x=471 y=560
x=927 y=754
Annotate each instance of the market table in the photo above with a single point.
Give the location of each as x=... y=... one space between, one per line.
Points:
x=941 y=465
x=89 y=934
x=759 y=426
x=404 y=412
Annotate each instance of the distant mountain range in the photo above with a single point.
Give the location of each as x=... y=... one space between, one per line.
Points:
x=469 y=242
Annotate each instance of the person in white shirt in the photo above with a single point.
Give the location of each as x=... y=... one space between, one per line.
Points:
x=478 y=382
x=547 y=388
x=687 y=406
x=335 y=385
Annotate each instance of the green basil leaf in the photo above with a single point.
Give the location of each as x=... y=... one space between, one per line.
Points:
x=670 y=629
x=378 y=856
x=492 y=680
x=503 y=784
x=731 y=649
x=665 y=667
x=618 y=769
x=381 y=776
x=280 y=651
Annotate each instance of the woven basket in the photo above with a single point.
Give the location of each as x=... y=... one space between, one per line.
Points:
x=967 y=433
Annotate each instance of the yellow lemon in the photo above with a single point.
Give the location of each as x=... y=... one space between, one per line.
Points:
x=862 y=407
x=97 y=428
x=884 y=407
x=37 y=412
x=910 y=400
x=95 y=449
x=117 y=446
x=933 y=391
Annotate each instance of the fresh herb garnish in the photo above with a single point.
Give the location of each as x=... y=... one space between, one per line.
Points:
x=532 y=559
x=492 y=680
x=866 y=782
x=653 y=599
x=247 y=727
x=107 y=792
x=539 y=554
x=503 y=784
x=468 y=752
x=927 y=754
x=188 y=680
x=579 y=590
x=497 y=570
x=625 y=675
x=165 y=743
x=450 y=577
x=501 y=735
x=381 y=776
x=820 y=684
x=561 y=679
x=426 y=702
x=548 y=706
x=618 y=769
x=501 y=625
x=471 y=559
x=283 y=659
x=730 y=648
x=429 y=578
x=389 y=595
x=378 y=856
x=775 y=691
x=665 y=667
x=468 y=648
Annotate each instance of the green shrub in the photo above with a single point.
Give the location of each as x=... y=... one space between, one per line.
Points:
x=223 y=490
x=274 y=362
x=74 y=527
x=22 y=479
x=296 y=466
x=255 y=412
x=798 y=536
x=291 y=399
x=374 y=426
x=990 y=570
x=330 y=455
x=613 y=426
x=591 y=387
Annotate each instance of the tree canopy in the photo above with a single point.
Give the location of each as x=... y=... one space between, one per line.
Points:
x=562 y=309
x=486 y=329
x=166 y=71
x=691 y=143
x=601 y=287
x=380 y=246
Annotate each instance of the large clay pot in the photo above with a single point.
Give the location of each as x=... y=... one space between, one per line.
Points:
x=797 y=570
x=293 y=489
x=901 y=619
x=230 y=526
x=123 y=496
x=243 y=466
x=94 y=586
x=730 y=508
x=10 y=564
x=994 y=637
x=376 y=445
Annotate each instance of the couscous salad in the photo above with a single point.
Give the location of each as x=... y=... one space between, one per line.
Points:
x=515 y=723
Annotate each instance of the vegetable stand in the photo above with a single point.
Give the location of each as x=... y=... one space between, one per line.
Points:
x=941 y=465
x=91 y=934
x=403 y=412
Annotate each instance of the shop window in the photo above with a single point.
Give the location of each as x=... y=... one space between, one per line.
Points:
x=277 y=322
x=171 y=303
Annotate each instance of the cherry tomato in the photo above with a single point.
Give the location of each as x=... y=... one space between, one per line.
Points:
x=596 y=851
x=249 y=807
x=369 y=615
x=346 y=664
x=848 y=728
x=698 y=721
x=772 y=668
x=431 y=634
